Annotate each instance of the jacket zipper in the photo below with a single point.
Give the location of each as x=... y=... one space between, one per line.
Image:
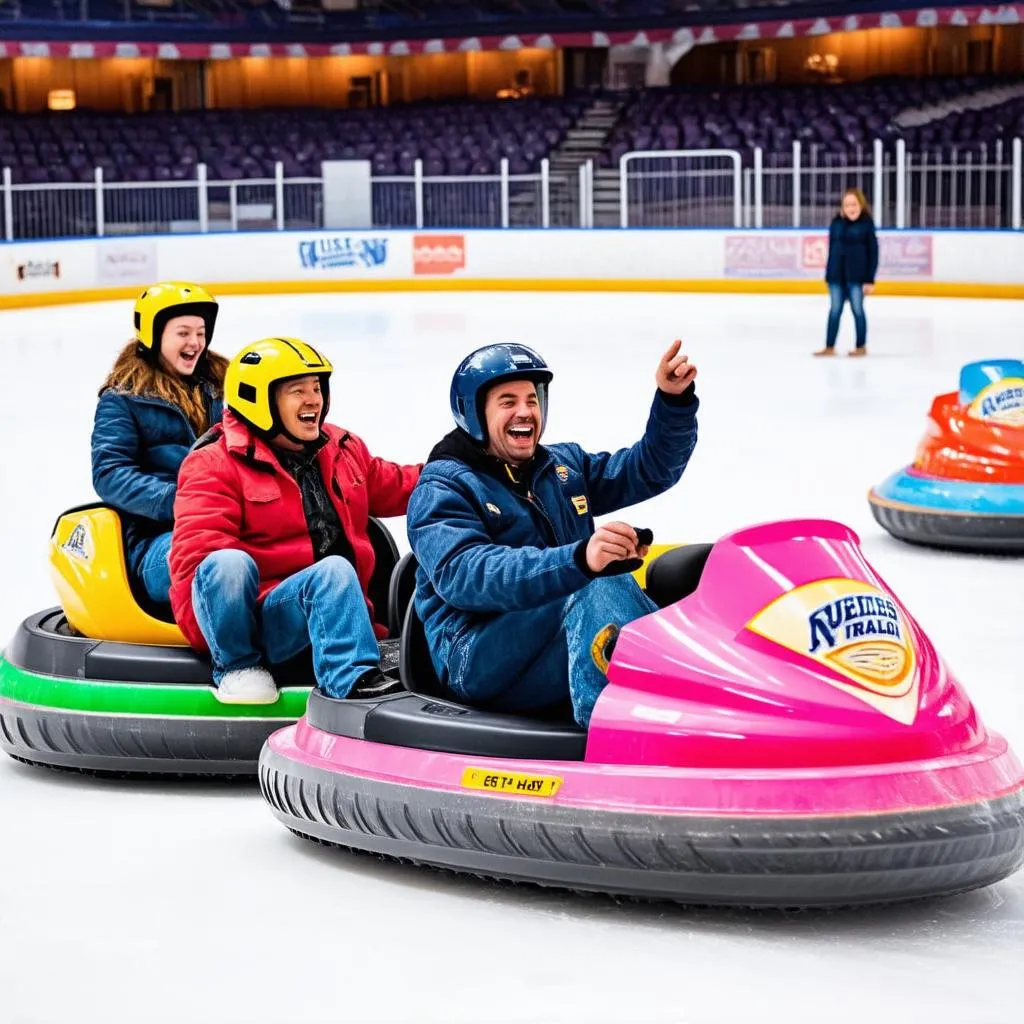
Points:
x=534 y=501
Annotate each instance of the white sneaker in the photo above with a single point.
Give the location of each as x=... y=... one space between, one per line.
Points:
x=247 y=686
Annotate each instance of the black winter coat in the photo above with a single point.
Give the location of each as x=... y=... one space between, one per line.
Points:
x=852 y=251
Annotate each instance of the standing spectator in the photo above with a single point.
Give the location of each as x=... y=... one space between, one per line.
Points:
x=852 y=265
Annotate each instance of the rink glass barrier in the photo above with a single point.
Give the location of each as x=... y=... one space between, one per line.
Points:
x=969 y=187
x=956 y=263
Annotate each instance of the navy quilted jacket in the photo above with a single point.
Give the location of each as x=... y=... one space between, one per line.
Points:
x=852 y=251
x=484 y=549
x=138 y=445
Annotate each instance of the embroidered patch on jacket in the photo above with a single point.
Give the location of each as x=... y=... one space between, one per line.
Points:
x=579 y=502
x=562 y=472
x=493 y=509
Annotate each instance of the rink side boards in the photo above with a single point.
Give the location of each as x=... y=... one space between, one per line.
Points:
x=947 y=264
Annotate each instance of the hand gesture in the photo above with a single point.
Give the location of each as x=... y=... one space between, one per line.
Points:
x=613 y=542
x=675 y=371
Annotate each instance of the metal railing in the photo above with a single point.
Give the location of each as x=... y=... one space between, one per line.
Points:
x=102 y=208
x=657 y=195
x=977 y=187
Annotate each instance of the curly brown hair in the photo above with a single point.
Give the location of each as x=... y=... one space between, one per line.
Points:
x=134 y=374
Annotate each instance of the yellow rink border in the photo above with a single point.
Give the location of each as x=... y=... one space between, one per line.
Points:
x=921 y=289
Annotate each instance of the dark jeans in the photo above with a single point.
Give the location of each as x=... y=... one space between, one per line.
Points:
x=840 y=294
x=522 y=661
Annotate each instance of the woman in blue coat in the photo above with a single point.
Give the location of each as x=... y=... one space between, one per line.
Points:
x=164 y=391
x=851 y=269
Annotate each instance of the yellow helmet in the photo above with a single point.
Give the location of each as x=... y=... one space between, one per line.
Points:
x=254 y=371
x=161 y=302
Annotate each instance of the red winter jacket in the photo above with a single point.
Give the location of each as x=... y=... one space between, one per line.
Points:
x=233 y=493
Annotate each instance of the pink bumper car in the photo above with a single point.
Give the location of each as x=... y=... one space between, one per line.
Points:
x=779 y=733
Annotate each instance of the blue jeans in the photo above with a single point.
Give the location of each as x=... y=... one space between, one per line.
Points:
x=522 y=661
x=154 y=570
x=839 y=294
x=322 y=606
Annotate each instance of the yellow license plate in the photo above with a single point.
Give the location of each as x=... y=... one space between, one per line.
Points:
x=510 y=783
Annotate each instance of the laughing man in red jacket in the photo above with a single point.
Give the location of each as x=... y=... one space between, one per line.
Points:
x=270 y=552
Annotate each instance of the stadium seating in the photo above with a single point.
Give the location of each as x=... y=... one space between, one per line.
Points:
x=835 y=119
x=450 y=139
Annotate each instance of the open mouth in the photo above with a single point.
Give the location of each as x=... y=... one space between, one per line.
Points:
x=308 y=419
x=521 y=433
x=189 y=356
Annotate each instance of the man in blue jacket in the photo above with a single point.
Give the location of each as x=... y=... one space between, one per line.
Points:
x=521 y=596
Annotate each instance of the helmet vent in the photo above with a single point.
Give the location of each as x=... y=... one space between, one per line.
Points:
x=138 y=320
x=246 y=392
x=251 y=359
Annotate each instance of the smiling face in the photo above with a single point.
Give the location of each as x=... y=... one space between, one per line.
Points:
x=851 y=206
x=182 y=344
x=512 y=413
x=300 y=403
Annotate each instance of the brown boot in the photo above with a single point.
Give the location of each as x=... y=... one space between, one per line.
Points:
x=825 y=352
x=857 y=353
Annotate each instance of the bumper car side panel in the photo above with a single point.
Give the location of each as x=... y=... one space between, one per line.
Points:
x=989 y=771
x=756 y=861
x=940 y=494
x=937 y=512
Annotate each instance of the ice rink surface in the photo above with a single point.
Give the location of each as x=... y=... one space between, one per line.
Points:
x=128 y=903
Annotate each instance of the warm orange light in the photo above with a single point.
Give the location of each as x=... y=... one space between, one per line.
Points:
x=61 y=99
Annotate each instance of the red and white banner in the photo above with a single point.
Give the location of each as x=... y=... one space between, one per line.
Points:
x=1004 y=14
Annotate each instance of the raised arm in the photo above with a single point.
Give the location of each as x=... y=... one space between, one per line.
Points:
x=657 y=460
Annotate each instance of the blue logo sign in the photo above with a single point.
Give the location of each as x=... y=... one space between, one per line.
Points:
x=343 y=251
x=855 y=617
x=999 y=403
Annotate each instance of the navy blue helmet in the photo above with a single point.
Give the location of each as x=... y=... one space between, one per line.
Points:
x=491 y=365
